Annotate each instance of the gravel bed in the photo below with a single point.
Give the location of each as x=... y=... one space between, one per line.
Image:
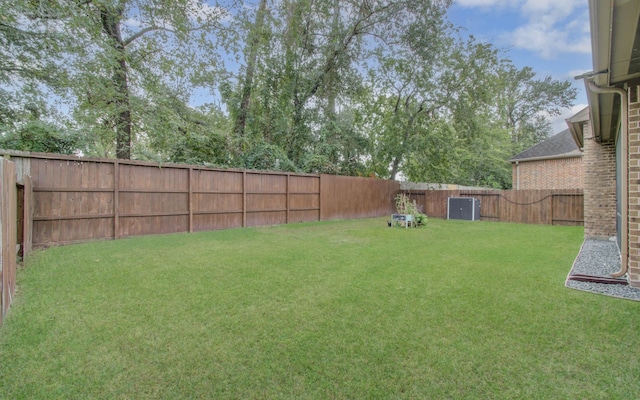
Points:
x=600 y=258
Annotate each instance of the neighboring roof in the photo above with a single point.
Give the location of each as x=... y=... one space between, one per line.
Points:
x=576 y=125
x=561 y=145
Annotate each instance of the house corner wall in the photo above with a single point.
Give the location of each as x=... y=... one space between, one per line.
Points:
x=599 y=163
x=634 y=187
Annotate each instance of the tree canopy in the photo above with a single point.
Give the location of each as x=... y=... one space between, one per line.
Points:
x=378 y=88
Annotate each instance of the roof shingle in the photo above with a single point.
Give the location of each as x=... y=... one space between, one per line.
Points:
x=557 y=146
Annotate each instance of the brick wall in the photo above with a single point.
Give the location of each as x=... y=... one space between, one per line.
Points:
x=634 y=187
x=560 y=173
x=599 y=163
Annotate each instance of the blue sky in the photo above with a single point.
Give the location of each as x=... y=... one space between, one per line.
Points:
x=550 y=36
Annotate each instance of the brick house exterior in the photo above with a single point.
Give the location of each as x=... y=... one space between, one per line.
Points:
x=555 y=163
x=600 y=187
x=610 y=136
x=634 y=186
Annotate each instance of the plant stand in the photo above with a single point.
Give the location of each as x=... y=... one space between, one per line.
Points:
x=400 y=219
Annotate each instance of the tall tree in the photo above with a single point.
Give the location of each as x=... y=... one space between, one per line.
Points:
x=129 y=48
x=177 y=132
x=251 y=54
x=308 y=68
x=29 y=74
x=420 y=90
x=525 y=102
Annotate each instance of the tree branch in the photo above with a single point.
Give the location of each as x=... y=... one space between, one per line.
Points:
x=148 y=29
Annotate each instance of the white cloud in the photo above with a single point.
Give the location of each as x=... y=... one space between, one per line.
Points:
x=204 y=12
x=487 y=3
x=133 y=23
x=552 y=27
x=549 y=40
x=551 y=8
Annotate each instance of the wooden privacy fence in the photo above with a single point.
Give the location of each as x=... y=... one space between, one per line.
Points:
x=76 y=200
x=551 y=207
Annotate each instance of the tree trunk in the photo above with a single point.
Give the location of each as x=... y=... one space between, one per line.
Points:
x=331 y=88
x=394 y=168
x=111 y=26
x=395 y=165
x=332 y=74
x=123 y=127
x=247 y=85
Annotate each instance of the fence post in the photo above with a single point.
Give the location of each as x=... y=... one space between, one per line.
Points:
x=322 y=193
x=116 y=200
x=288 y=183
x=551 y=209
x=190 y=200
x=244 y=199
x=27 y=228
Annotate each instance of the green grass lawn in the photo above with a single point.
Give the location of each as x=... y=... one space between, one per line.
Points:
x=348 y=309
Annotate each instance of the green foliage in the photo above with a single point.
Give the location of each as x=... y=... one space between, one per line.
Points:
x=320 y=164
x=30 y=80
x=435 y=156
x=41 y=137
x=405 y=206
x=27 y=124
x=124 y=55
x=29 y=51
x=420 y=219
x=523 y=98
x=267 y=156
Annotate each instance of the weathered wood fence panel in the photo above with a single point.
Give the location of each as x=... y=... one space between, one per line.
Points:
x=8 y=235
x=72 y=200
x=266 y=199
x=304 y=198
x=152 y=200
x=552 y=207
x=345 y=197
x=568 y=209
x=217 y=199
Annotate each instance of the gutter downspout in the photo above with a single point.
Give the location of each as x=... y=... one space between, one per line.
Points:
x=624 y=122
x=517 y=175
